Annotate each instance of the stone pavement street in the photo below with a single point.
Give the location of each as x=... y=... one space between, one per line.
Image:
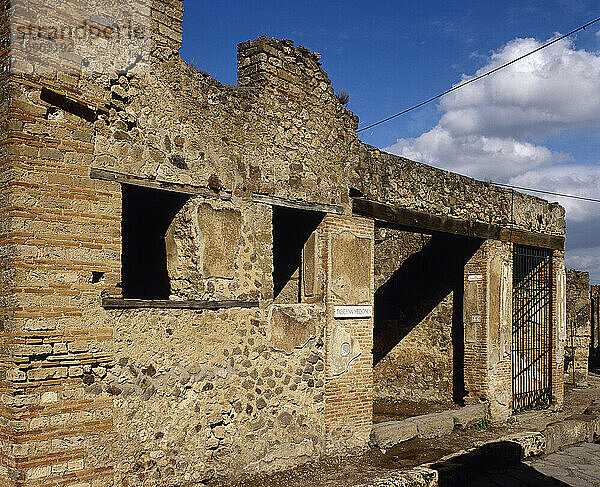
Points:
x=576 y=466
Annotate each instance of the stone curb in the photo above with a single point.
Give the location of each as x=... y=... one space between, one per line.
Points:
x=575 y=429
x=391 y=433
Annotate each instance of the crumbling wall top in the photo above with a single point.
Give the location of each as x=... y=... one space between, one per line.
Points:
x=395 y=180
x=283 y=66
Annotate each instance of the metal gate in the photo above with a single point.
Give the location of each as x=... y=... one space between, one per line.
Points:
x=532 y=328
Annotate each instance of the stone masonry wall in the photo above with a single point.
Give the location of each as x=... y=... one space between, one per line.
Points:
x=577 y=346
x=419 y=364
x=96 y=396
x=396 y=180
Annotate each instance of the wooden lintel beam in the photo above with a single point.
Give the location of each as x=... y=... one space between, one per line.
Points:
x=118 y=303
x=106 y=175
x=456 y=226
x=297 y=204
x=122 y=178
x=523 y=237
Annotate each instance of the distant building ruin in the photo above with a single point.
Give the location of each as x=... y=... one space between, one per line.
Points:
x=579 y=329
x=203 y=279
x=594 y=356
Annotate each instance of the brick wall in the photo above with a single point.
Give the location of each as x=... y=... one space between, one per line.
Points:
x=595 y=317
x=559 y=326
x=488 y=325
x=348 y=395
x=59 y=234
x=167 y=29
x=7 y=423
x=475 y=320
x=499 y=332
x=85 y=388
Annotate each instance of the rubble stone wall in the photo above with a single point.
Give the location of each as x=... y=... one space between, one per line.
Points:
x=413 y=348
x=577 y=345
x=96 y=396
x=409 y=184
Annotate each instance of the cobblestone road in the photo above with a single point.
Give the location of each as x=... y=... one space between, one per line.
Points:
x=576 y=466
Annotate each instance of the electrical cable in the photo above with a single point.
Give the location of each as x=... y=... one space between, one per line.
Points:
x=564 y=195
x=472 y=80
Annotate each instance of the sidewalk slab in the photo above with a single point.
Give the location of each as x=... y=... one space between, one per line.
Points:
x=579 y=428
x=433 y=425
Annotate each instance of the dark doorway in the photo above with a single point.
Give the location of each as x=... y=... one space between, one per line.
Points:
x=147 y=214
x=423 y=280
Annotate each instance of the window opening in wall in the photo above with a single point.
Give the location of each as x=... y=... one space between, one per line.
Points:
x=147 y=214
x=292 y=231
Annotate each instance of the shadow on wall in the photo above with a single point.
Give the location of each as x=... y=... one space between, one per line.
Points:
x=496 y=463
x=291 y=230
x=594 y=362
x=416 y=288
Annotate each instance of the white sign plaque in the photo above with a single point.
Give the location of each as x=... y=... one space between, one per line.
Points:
x=474 y=277
x=353 y=312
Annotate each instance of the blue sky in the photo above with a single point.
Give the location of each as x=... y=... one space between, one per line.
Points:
x=535 y=125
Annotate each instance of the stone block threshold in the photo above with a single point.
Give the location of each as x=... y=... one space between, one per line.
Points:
x=391 y=433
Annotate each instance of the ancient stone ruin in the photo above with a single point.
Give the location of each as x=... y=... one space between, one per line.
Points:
x=579 y=329
x=205 y=280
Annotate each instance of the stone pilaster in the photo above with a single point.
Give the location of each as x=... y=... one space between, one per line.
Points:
x=349 y=360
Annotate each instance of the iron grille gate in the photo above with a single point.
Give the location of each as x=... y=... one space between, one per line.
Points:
x=532 y=328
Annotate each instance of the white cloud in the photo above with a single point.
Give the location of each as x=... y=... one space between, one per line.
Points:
x=487 y=128
x=495 y=129
x=479 y=156
x=554 y=89
x=583 y=217
x=587 y=259
x=572 y=179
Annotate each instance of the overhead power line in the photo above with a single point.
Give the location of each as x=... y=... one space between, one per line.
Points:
x=563 y=195
x=460 y=85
